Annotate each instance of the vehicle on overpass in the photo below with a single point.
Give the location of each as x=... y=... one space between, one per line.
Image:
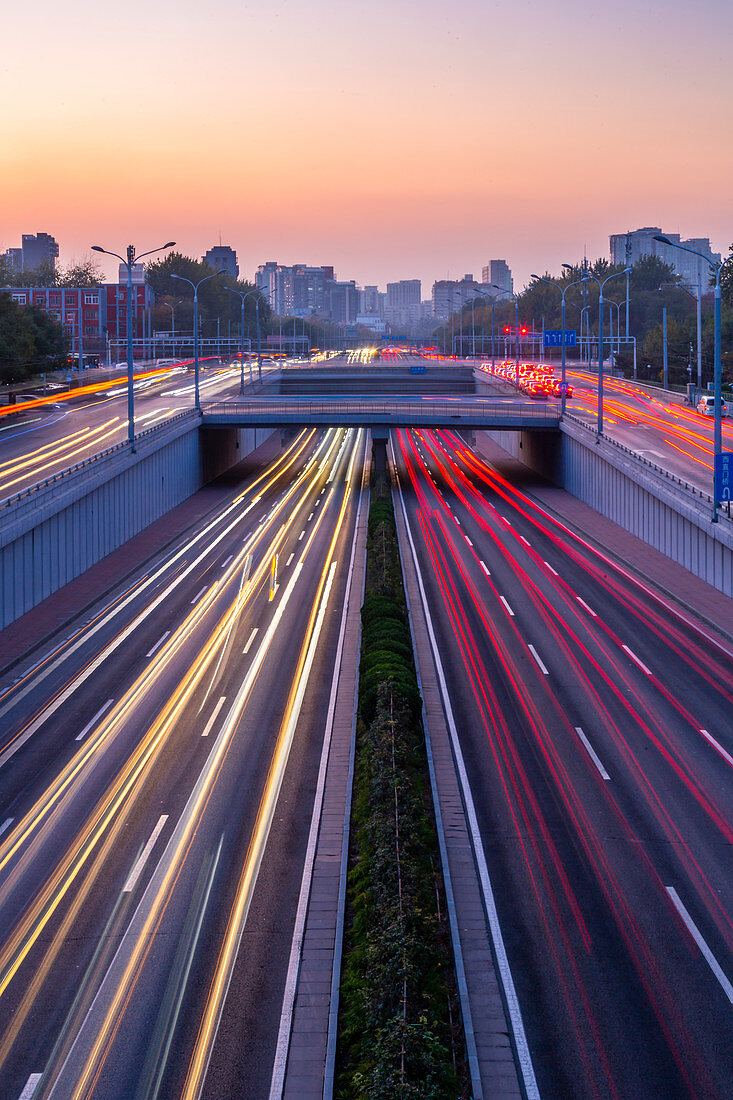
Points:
x=706 y=406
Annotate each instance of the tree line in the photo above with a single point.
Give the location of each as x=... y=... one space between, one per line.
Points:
x=653 y=285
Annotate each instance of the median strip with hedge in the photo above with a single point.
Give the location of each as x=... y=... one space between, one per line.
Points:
x=399 y=1023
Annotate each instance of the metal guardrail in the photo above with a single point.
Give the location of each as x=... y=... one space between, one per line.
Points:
x=686 y=485
x=384 y=410
x=117 y=448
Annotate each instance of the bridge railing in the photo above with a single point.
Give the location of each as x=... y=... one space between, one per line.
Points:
x=385 y=410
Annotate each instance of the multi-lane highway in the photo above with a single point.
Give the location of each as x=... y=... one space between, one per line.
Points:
x=157 y=768
x=43 y=440
x=595 y=722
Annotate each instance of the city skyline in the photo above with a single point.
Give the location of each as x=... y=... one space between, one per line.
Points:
x=425 y=145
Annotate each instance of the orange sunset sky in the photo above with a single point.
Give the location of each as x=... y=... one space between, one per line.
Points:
x=393 y=140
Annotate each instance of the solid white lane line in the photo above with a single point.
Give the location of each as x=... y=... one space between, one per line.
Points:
x=697 y=937
x=158 y=644
x=553 y=571
x=512 y=1001
x=30 y=1086
x=224 y=564
x=538 y=659
x=585 y=605
x=506 y=605
x=214 y=713
x=637 y=660
x=709 y=737
x=144 y=855
x=592 y=753
x=6 y=823
x=468 y=541
x=287 y=563
x=198 y=595
x=94 y=720
x=483 y=566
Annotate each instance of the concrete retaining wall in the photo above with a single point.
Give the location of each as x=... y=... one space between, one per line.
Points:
x=55 y=532
x=654 y=508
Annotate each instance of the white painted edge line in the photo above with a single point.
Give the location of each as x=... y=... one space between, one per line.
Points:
x=637 y=660
x=277 y=1081
x=6 y=824
x=592 y=753
x=92 y=721
x=553 y=571
x=538 y=659
x=224 y=564
x=582 y=603
x=502 y=961
x=708 y=737
x=697 y=937
x=250 y=639
x=144 y=855
x=506 y=605
x=287 y=563
x=198 y=595
x=214 y=713
x=30 y=1086
x=158 y=644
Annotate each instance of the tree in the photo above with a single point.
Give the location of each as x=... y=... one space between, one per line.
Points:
x=87 y=273
x=214 y=300
x=726 y=280
x=30 y=341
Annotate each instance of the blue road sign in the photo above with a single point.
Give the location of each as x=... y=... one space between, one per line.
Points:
x=417 y=368
x=553 y=337
x=724 y=476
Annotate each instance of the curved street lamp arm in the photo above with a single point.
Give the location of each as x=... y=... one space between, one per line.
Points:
x=106 y=252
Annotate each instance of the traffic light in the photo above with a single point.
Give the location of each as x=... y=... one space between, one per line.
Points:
x=524 y=330
x=507 y=328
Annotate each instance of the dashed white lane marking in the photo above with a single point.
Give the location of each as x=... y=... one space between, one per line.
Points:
x=224 y=564
x=468 y=541
x=525 y=541
x=637 y=660
x=300 y=535
x=708 y=737
x=287 y=563
x=553 y=571
x=697 y=937
x=198 y=595
x=251 y=639
x=506 y=605
x=158 y=644
x=310 y=517
x=91 y=722
x=538 y=659
x=214 y=713
x=592 y=753
x=144 y=855
x=457 y=520
x=30 y=1086
x=6 y=824
x=483 y=566
x=585 y=605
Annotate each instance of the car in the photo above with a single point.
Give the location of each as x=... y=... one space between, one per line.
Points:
x=706 y=406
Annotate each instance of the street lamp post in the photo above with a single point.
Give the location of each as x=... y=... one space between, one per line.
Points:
x=239 y=294
x=183 y=279
x=256 y=295
x=128 y=262
x=563 y=290
x=717 y=358
x=698 y=310
x=600 y=343
x=516 y=324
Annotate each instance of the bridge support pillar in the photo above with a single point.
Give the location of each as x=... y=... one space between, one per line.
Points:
x=380 y=439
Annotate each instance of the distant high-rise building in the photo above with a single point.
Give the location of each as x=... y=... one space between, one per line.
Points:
x=498 y=273
x=36 y=249
x=628 y=248
x=450 y=295
x=403 y=302
x=223 y=258
x=296 y=291
x=372 y=300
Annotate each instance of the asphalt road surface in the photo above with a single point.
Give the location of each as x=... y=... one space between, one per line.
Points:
x=157 y=769
x=595 y=721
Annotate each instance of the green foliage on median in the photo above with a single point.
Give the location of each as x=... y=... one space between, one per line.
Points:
x=399 y=1023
